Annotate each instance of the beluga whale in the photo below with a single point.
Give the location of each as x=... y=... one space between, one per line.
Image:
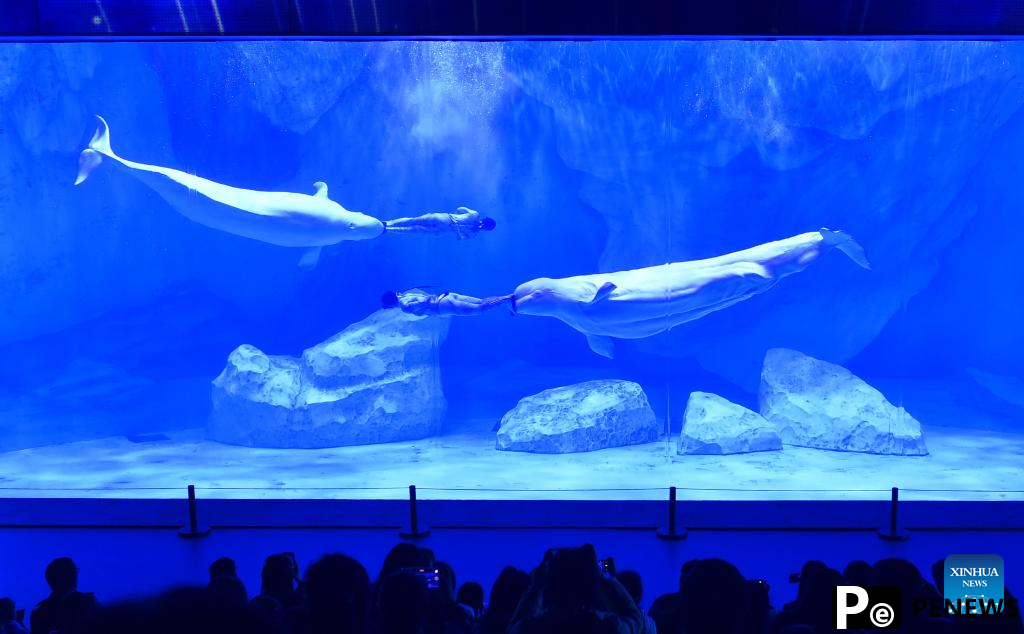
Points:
x=640 y=303
x=286 y=219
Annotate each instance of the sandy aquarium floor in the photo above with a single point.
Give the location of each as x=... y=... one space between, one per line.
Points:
x=964 y=464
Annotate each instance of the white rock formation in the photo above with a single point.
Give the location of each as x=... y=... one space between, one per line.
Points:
x=376 y=381
x=714 y=425
x=581 y=417
x=818 y=404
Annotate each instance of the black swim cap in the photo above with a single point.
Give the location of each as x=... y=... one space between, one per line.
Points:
x=389 y=299
x=488 y=224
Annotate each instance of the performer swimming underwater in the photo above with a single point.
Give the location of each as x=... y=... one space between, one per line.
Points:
x=643 y=302
x=465 y=225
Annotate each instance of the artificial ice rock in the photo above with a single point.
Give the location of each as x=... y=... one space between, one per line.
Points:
x=713 y=425
x=376 y=381
x=581 y=417
x=818 y=404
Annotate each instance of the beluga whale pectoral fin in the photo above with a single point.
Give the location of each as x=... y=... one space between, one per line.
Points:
x=845 y=243
x=310 y=259
x=602 y=293
x=321 y=189
x=604 y=346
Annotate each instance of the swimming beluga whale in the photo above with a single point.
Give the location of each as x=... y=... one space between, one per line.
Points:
x=286 y=219
x=643 y=302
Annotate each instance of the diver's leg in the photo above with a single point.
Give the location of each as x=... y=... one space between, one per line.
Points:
x=465 y=305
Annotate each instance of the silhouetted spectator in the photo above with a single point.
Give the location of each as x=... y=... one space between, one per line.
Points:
x=857 y=573
x=665 y=609
x=405 y=556
x=632 y=582
x=337 y=595
x=181 y=611
x=813 y=605
x=444 y=614
x=76 y=610
x=568 y=594
x=223 y=567
x=508 y=589
x=471 y=595
x=402 y=556
x=269 y=611
x=758 y=606
x=62 y=577
x=402 y=604
x=229 y=589
x=9 y=623
x=708 y=590
x=905 y=575
x=279 y=581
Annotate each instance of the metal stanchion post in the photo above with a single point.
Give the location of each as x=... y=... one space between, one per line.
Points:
x=673 y=531
x=193 y=530
x=416 y=528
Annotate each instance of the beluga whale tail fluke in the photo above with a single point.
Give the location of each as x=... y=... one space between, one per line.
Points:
x=92 y=156
x=845 y=243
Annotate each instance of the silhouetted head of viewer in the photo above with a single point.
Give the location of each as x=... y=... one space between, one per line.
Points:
x=572 y=578
x=223 y=567
x=507 y=591
x=708 y=589
x=337 y=595
x=278 y=577
x=471 y=595
x=401 y=603
x=62 y=576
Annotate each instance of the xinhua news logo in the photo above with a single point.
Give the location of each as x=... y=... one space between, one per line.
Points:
x=973 y=584
x=871 y=608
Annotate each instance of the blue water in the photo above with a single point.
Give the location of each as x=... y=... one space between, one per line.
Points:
x=116 y=312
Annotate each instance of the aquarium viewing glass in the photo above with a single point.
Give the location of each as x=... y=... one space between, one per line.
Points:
x=749 y=269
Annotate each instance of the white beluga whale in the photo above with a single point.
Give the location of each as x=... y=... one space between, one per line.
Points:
x=643 y=302
x=286 y=219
